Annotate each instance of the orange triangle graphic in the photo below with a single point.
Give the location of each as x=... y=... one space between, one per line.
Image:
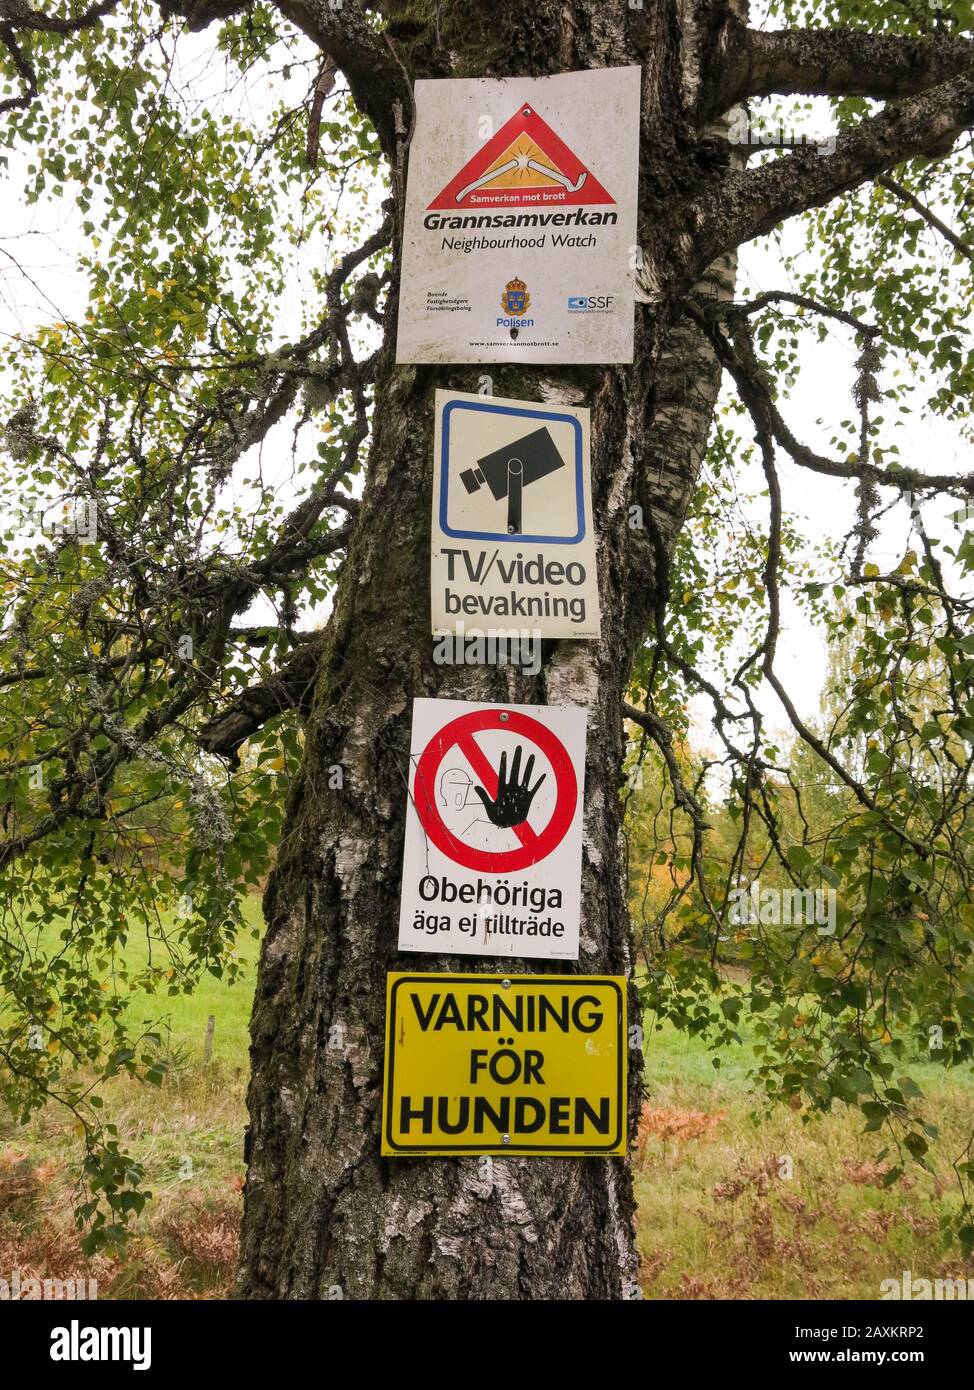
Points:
x=525 y=164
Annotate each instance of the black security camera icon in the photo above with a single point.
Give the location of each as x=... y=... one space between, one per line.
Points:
x=508 y=471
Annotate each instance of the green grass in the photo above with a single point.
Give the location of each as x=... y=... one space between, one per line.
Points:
x=738 y=1202
x=188 y=1135
x=184 y=1016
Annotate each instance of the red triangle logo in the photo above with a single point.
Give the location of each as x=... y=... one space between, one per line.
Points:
x=524 y=165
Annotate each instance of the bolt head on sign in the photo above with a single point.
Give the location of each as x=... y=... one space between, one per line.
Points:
x=493 y=852
x=505 y=1064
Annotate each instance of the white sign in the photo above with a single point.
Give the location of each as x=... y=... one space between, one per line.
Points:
x=519 y=241
x=513 y=549
x=492 y=863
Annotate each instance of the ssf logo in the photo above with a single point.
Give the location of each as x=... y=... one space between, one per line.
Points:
x=589 y=303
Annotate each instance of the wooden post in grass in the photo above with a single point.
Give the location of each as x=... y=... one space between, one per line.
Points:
x=208 y=1044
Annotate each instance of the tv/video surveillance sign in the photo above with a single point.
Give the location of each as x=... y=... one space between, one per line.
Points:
x=513 y=546
x=520 y=228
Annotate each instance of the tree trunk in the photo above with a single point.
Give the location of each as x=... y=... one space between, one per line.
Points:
x=323 y=1211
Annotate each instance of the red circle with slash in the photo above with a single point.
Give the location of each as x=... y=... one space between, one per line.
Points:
x=459 y=733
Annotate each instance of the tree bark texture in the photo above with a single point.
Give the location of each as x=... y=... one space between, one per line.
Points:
x=323 y=1211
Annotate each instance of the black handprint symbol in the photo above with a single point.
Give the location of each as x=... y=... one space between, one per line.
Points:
x=514 y=797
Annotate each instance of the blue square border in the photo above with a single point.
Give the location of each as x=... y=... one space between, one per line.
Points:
x=522 y=414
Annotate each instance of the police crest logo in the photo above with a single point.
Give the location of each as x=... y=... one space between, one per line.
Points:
x=515 y=300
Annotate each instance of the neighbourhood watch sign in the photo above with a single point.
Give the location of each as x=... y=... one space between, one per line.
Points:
x=519 y=242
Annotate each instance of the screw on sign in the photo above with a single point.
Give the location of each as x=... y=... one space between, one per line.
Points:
x=506 y=793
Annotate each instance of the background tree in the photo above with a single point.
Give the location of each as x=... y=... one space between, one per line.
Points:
x=135 y=669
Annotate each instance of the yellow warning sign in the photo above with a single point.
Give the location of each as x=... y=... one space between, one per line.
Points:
x=505 y=1064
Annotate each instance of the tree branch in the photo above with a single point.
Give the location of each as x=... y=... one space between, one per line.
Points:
x=767 y=652
x=356 y=47
x=663 y=739
x=739 y=358
x=931 y=218
x=24 y=68
x=19 y=15
x=751 y=204
x=290 y=688
x=198 y=14
x=836 y=63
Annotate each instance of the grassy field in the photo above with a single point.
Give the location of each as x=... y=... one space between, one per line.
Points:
x=738 y=1203
x=732 y=1204
x=188 y=1134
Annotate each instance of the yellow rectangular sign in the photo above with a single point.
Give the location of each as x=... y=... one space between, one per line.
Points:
x=505 y=1064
